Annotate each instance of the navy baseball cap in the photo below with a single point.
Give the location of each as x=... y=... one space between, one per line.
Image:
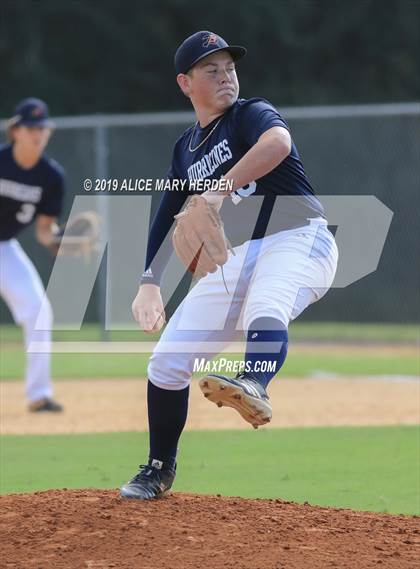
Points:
x=31 y=112
x=201 y=44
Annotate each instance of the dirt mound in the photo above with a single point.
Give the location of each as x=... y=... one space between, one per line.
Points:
x=96 y=529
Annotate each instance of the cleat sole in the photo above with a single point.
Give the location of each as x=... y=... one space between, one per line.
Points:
x=255 y=411
x=127 y=495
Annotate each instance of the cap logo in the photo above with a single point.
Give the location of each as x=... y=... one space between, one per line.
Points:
x=37 y=112
x=210 y=39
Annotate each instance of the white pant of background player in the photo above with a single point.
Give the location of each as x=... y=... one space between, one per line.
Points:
x=281 y=275
x=22 y=290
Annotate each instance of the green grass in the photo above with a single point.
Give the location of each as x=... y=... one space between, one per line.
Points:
x=373 y=468
x=299 y=332
x=88 y=333
x=355 y=332
x=113 y=365
x=117 y=366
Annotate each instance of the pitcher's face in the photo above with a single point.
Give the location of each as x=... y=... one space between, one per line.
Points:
x=212 y=83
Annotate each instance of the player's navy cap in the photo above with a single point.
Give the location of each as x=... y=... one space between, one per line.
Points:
x=200 y=45
x=31 y=112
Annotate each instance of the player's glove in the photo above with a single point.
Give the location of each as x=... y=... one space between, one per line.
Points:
x=79 y=236
x=199 y=239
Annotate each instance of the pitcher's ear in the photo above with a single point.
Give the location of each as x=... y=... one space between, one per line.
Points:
x=184 y=82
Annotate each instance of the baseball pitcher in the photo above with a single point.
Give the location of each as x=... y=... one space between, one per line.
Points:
x=257 y=244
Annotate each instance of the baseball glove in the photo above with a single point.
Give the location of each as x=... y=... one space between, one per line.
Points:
x=199 y=239
x=78 y=236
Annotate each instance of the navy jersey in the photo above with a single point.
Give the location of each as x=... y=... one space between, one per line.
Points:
x=209 y=153
x=25 y=193
x=238 y=130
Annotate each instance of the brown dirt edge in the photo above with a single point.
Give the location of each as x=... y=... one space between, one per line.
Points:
x=66 y=529
x=94 y=406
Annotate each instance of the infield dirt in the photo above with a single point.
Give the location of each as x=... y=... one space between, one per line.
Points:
x=93 y=406
x=94 y=529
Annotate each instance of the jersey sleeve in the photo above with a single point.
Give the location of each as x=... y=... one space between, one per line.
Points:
x=159 y=244
x=255 y=118
x=52 y=200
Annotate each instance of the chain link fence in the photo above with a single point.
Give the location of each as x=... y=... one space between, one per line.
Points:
x=351 y=150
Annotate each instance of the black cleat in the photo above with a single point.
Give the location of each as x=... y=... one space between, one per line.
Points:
x=242 y=393
x=46 y=404
x=151 y=482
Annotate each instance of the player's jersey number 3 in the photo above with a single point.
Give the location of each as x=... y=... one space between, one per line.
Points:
x=25 y=213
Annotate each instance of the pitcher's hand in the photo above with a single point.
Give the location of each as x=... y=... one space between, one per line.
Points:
x=148 y=308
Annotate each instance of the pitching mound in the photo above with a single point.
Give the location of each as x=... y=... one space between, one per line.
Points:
x=96 y=529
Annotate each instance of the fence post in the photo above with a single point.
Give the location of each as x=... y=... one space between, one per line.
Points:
x=101 y=172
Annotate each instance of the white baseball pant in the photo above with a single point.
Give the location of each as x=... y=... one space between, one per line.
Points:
x=278 y=277
x=22 y=290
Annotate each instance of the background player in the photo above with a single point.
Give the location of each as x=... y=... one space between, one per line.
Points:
x=287 y=263
x=31 y=189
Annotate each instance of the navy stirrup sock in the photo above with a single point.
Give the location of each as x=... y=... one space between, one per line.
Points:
x=167 y=412
x=266 y=348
